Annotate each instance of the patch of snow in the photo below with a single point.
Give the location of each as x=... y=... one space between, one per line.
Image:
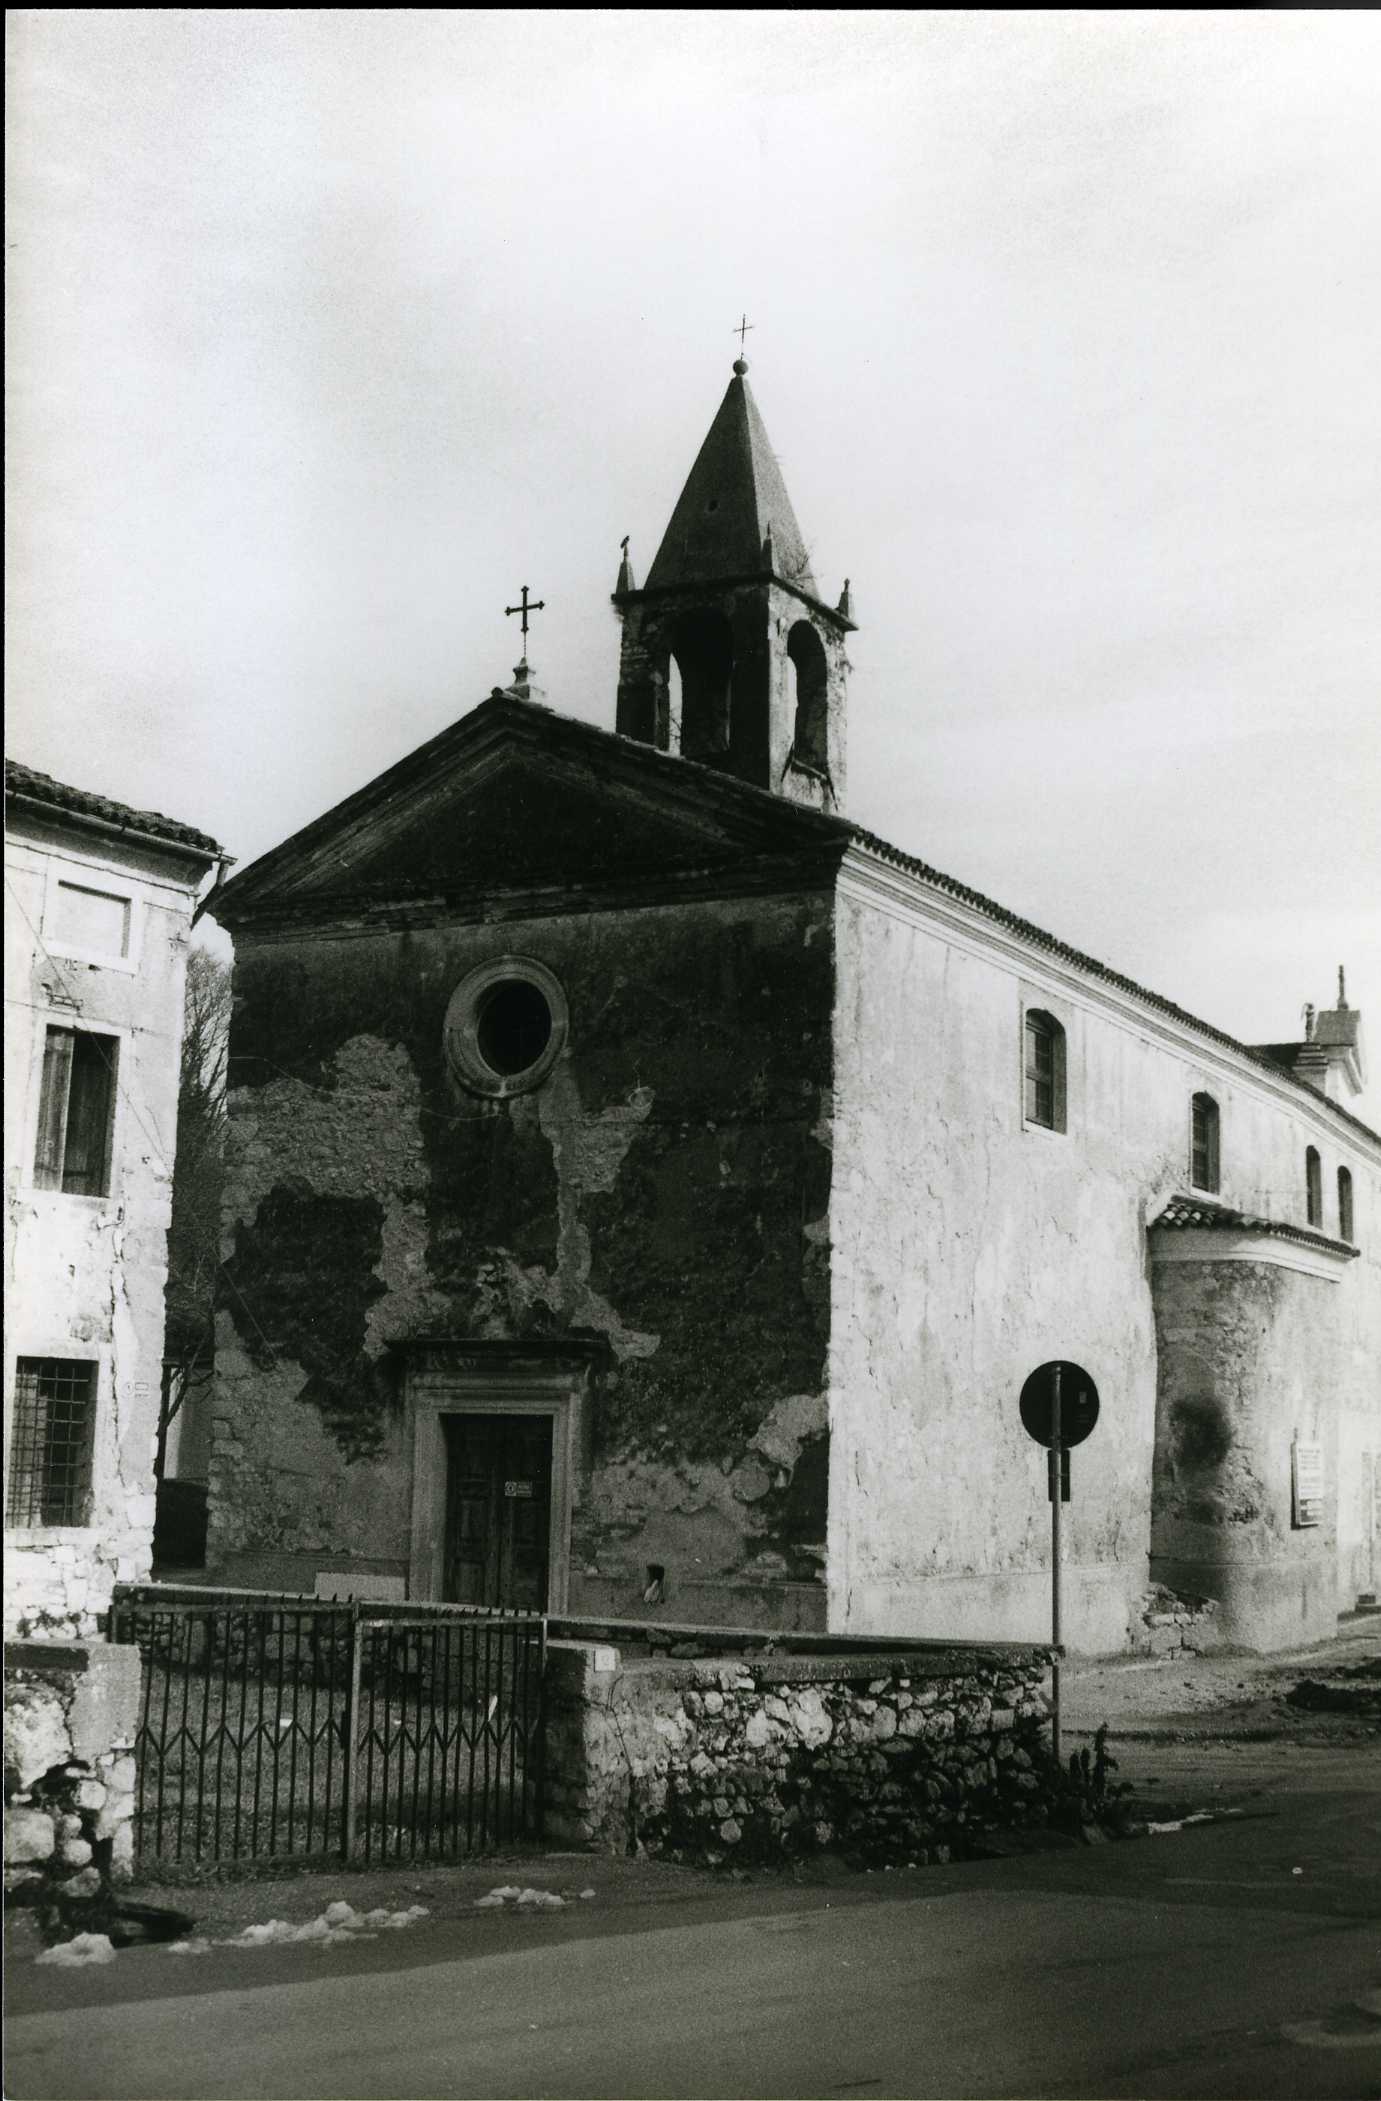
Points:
x=77 y=1953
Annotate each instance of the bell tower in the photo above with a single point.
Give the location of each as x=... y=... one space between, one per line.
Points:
x=729 y=654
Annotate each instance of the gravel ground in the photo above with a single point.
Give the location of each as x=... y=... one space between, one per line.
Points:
x=1230 y=1697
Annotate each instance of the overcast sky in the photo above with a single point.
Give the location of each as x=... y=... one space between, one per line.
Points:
x=330 y=329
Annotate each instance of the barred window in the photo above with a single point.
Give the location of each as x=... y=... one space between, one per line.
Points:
x=50 y=1441
x=1045 y=1070
x=76 y=1113
x=1203 y=1143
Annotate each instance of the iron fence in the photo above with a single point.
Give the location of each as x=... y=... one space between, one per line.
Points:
x=289 y=1727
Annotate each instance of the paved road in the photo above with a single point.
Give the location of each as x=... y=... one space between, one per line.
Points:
x=1200 y=1964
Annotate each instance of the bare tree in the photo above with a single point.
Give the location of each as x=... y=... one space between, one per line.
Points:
x=198 y=1176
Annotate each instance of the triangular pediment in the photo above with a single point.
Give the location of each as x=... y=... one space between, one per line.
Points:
x=515 y=798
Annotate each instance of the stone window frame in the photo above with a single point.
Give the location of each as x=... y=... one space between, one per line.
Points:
x=455 y=1378
x=106 y=1459
x=460 y=1030
x=106 y=882
x=122 y=1107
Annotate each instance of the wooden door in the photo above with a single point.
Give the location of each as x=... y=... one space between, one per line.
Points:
x=498 y=1510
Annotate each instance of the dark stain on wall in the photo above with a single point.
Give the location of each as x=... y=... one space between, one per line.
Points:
x=795 y=1516
x=299 y=1285
x=1201 y=1433
x=704 y=1240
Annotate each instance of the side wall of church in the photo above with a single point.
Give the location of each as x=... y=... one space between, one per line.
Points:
x=663 y=1195
x=971 y=1247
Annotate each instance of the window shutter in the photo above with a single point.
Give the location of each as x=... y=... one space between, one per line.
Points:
x=85 y=1170
x=52 y=1109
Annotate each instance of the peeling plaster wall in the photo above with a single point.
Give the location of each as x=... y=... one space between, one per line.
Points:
x=969 y=1249
x=85 y=1275
x=1248 y=1361
x=663 y=1193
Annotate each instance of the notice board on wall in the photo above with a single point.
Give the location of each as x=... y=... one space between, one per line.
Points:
x=1306 y=1467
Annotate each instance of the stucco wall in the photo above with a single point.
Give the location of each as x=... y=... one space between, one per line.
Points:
x=85 y=1275
x=969 y=1249
x=1248 y=1362
x=663 y=1193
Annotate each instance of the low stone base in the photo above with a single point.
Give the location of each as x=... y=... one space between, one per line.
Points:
x=744 y=1757
x=71 y=1711
x=1166 y=1624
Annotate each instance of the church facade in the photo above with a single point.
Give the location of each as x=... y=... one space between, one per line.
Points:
x=649 y=1193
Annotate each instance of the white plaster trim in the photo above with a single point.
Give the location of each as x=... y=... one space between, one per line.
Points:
x=126 y=1126
x=435 y=1393
x=865 y=879
x=1223 y=1244
x=123 y=888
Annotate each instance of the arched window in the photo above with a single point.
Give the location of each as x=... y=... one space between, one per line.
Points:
x=702 y=645
x=1203 y=1142
x=1045 y=1070
x=1345 y=1220
x=1313 y=1188
x=810 y=679
x=673 y=740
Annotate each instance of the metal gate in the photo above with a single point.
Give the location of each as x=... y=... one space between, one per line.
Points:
x=287 y=1727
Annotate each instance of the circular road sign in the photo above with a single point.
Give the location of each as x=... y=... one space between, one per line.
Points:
x=1078 y=1403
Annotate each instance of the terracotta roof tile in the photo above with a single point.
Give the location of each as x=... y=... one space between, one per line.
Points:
x=81 y=802
x=1184 y=1213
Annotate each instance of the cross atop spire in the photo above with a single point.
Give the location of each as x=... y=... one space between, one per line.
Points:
x=538 y=605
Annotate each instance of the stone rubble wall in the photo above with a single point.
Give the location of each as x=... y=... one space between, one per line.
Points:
x=59 y=1583
x=1165 y=1624
x=71 y=1711
x=748 y=1758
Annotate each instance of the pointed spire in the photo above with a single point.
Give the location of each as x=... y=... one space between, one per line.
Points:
x=626 y=581
x=846 y=603
x=733 y=504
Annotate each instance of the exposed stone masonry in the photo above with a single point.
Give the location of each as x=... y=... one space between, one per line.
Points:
x=737 y=1758
x=70 y=1717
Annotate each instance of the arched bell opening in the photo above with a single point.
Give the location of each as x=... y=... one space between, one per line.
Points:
x=808 y=690
x=702 y=655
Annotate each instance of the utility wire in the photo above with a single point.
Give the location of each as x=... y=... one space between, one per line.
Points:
x=112 y=1068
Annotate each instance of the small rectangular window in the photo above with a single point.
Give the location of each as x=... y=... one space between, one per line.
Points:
x=76 y=1112
x=51 y=1441
x=94 y=921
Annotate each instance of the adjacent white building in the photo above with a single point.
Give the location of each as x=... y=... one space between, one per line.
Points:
x=99 y=901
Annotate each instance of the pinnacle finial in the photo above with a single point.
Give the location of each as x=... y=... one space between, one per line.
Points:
x=846 y=602
x=625 y=582
x=1342 y=990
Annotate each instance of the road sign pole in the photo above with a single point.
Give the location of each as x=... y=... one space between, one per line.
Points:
x=1056 y=1503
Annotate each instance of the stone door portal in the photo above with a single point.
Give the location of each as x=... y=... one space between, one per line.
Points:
x=498 y=1510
